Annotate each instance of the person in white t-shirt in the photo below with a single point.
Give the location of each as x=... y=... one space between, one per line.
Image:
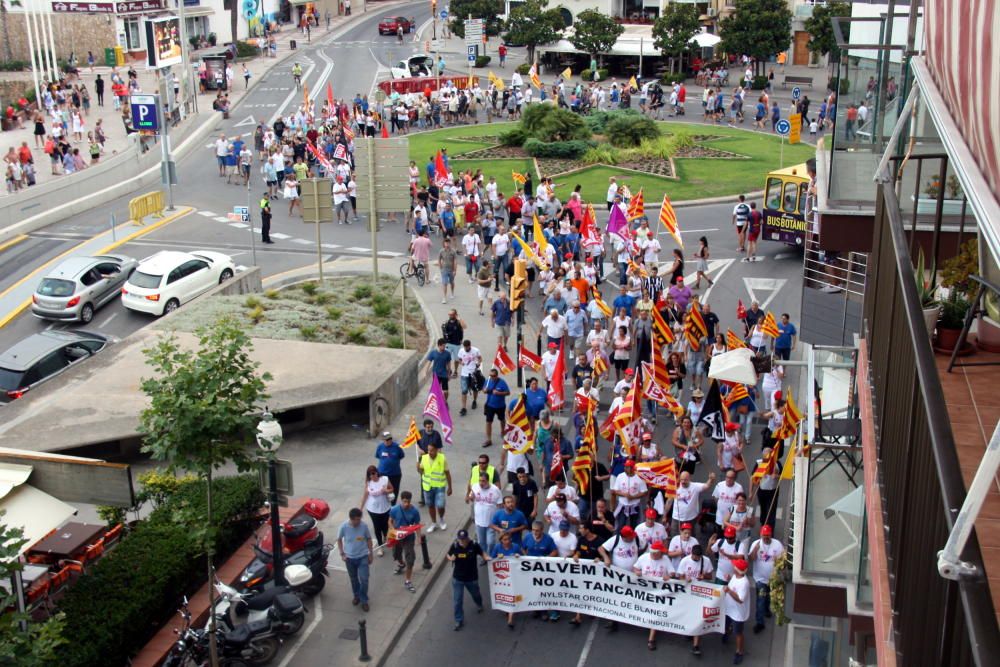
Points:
x=560 y=510
x=725 y=498
x=687 y=502
x=473 y=247
x=728 y=550
x=629 y=489
x=763 y=553
x=565 y=540
x=736 y=605
x=695 y=567
x=652 y=565
x=612 y=192
x=621 y=550
x=650 y=530
x=555 y=327
x=549 y=359
x=486 y=499
x=562 y=487
x=681 y=545
x=469 y=359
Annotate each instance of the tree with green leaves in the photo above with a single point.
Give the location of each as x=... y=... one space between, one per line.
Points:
x=532 y=24
x=204 y=409
x=758 y=28
x=36 y=647
x=820 y=28
x=673 y=30
x=489 y=10
x=595 y=33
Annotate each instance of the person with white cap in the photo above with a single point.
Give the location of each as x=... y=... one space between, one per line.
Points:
x=465 y=575
x=763 y=554
x=736 y=604
x=652 y=565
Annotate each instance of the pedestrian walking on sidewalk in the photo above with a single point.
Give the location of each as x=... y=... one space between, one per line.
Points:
x=354 y=541
x=388 y=453
x=402 y=516
x=435 y=481
x=377 y=500
x=246 y=77
x=465 y=574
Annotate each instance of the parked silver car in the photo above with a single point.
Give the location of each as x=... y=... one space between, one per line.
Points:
x=78 y=286
x=42 y=356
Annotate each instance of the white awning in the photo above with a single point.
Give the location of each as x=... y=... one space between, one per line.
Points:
x=636 y=38
x=25 y=507
x=705 y=39
x=192 y=12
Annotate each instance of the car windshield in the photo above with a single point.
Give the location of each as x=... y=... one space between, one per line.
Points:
x=10 y=380
x=56 y=287
x=146 y=280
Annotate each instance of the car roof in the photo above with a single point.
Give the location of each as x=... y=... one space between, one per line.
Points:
x=163 y=261
x=23 y=354
x=71 y=267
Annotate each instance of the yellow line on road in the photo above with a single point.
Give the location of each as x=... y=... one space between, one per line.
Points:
x=14 y=241
x=20 y=308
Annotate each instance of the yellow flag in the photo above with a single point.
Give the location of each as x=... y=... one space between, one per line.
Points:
x=567 y=73
x=632 y=83
x=496 y=81
x=543 y=244
x=528 y=252
x=788 y=470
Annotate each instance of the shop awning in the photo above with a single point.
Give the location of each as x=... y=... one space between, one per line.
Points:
x=635 y=39
x=301 y=2
x=25 y=507
x=192 y=12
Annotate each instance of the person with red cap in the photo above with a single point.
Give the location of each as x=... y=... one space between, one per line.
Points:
x=725 y=497
x=687 y=501
x=622 y=551
x=652 y=565
x=736 y=604
x=767 y=492
x=763 y=554
x=629 y=489
x=549 y=359
x=650 y=530
x=731 y=447
x=695 y=567
x=681 y=545
x=728 y=549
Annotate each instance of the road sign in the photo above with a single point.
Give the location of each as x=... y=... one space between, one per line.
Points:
x=796 y=93
x=472 y=54
x=285 y=480
x=444 y=14
x=783 y=127
x=795 y=132
x=473 y=30
x=243 y=212
x=144 y=115
x=392 y=170
x=317 y=205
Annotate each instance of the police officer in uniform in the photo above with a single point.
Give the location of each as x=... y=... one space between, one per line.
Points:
x=265 y=219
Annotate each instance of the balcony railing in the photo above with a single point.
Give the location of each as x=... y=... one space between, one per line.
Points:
x=935 y=620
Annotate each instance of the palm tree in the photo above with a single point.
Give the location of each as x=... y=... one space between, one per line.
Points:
x=8 y=54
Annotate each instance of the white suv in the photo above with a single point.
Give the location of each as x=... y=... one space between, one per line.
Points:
x=161 y=283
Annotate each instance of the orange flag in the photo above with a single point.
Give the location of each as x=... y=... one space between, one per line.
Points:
x=733 y=341
x=412 y=435
x=636 y=207
x=791 y=420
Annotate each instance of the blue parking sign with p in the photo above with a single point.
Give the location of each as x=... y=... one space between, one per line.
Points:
x=144 y=116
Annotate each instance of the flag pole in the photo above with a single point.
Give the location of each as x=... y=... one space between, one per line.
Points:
x=520 y=343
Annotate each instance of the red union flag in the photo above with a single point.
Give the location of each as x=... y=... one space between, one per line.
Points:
x=528 y=359
x=660 y=475
x=502 y=361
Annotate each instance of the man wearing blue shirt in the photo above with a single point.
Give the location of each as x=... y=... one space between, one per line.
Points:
x=555 y=302
x=785 y=342
x=623 y=300
x=508 y=520
x=448 y=221
x=576 y=326
x=496 y=391
x=400 y=516
x=538 y=542
x=500 y=318
x=389 y=454
x=440 y=360
x=430 y=168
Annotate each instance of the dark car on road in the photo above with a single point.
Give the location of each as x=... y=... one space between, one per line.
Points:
x=42 y=356
x=390 y=25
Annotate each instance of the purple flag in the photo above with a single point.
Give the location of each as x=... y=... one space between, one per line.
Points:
x=617 y=221
x=437 y=408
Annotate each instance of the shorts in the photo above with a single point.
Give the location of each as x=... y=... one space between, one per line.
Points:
x=404 y=552
x=448 y=278
x=434 y=496
x=504 y=330
x=491 y=413
x=621 y=364
x=484 y=292
x=466 y=383
x=453 y=350
x=736 y=626
x=753 y=236
x=696 y=367
x=443 y=381
x=221 y=159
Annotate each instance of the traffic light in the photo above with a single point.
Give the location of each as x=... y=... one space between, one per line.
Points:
x=434 y=5
x=518 y=284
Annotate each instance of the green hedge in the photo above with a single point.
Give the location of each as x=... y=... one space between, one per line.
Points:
x=670 y=79
x=557 y=149
x=845 y=85
x=759 y=83
x=246 y=50
x=514 y=137
x=627 y=131
x=113 y=610
x=14 y=66
x=598 y=121
x=523 y=68
x=588 y=74
x=482 y=61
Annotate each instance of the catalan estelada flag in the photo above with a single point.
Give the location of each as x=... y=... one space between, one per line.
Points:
x=668 y=218
x=412 y=435
x=791 y=419
x=733 y=341
x=769 y=326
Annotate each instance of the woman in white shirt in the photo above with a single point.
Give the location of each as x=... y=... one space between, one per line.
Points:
x=621 y=320
x=377 y=501
x=771 y=383
x=623 y=346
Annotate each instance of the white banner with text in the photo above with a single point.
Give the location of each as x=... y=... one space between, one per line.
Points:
x=590 y=587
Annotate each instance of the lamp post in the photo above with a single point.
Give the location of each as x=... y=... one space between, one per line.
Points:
x=269 y=439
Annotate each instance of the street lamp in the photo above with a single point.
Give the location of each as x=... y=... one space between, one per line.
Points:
x=269 y=439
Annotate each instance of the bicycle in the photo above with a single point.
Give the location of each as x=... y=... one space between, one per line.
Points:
x=411 y=269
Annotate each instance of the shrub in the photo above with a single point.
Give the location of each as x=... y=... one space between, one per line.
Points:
x=272 y=294
x=845 y=85
x=357 y=335
x=602 y=73
x=390 y=328
x=670 y=79
x=556 y=149
x=115 y=608
x=523 y=68
x=546 y=122
x=334 y=313
x=362 y=292
x=246 y=50
x=252 y=302
x=395 y=342
x=515 y=137
x=257 y=315
x=603 y=154
x=598 y=121
x=631 y=130
x=482 y=61
x=310 y=288
x=381 y=307
x=308 y=332
x=14 y=66
x=759 y=83
x=322 y=298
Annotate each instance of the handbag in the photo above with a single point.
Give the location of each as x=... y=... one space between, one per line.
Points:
x=478 y=380
x=739 y=465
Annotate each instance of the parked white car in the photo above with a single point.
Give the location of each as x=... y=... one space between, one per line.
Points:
x=418 y=65
x=162 y=282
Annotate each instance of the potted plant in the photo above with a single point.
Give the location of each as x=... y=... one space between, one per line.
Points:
x=927 y=291
x=955 y=276
x=953 y=196
x=949 y=327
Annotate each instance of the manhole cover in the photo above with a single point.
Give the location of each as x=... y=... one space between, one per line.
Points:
x=349 y=633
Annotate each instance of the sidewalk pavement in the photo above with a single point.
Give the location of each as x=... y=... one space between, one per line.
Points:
x=111 y=118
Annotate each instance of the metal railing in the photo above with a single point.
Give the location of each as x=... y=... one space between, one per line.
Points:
x=936 y=621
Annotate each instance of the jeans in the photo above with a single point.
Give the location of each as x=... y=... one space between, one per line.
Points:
x=763 y=602
x=470 y=266
x=357 y=571
x=622 y=273
x=486 y=536
x=458 y=589
x=783 y=353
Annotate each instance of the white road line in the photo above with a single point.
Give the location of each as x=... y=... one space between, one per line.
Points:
x=421 y=29
x=207 y=214
x=291 y=95
x=238 y=225
x=302 y=241
x=280 y=236
x=52 y=324
x=694 y=231
x=717 y=277
x=755 y=285
x=585 y=653
x=329 y=246
x=317 y=608
x=107 y=321
x=221 y=218
x=359 y=249
x=389 y=253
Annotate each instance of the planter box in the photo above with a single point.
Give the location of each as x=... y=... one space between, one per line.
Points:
x=928 y=206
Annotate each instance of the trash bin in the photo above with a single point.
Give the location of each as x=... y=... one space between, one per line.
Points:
x=109 y=57
x=292 y=45
x=119 y=56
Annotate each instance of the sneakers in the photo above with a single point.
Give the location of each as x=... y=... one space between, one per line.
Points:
x=458 y=626
x=696 y=650
x=758 y=628
x=442 y=526
x=738 y=659
x=380 y=552
x=473 y=404
x=365 y=607
x=431 y=528
x=409 y=586
x=399 y=568
x=444 y=300
x=462 y=412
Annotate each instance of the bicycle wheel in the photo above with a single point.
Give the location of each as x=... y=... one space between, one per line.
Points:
x=404 y=271
x=421 y=276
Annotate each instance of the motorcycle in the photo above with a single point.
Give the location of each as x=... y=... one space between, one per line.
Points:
x=279 y=605
x=302 y=544
x=247 y=646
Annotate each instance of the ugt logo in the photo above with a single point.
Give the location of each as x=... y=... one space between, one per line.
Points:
x=710 y=613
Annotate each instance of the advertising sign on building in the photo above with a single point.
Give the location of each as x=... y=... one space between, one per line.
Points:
x=83 y=7
x=163 y=42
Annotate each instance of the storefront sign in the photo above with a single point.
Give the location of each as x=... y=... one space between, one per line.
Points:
x=140 y=6
x=83 y=7
x=542 y=584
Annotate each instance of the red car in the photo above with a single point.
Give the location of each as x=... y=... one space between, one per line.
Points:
x=390 y=25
